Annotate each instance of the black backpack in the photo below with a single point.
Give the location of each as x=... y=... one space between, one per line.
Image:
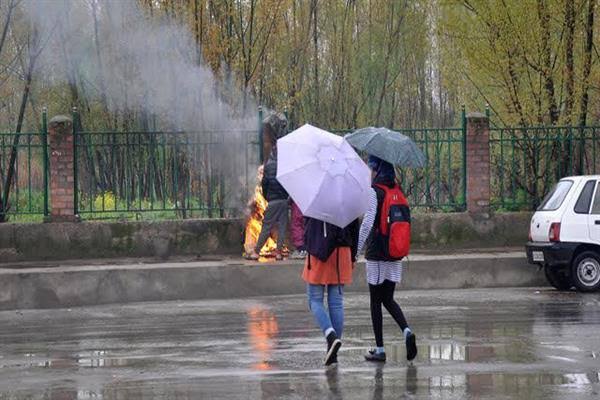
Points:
x=322 y=238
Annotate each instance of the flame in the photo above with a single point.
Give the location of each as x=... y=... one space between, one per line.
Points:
x=258 y=205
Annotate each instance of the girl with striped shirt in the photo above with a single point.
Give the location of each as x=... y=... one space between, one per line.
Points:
x=382 y=274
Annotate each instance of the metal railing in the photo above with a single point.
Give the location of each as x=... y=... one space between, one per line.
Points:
x=526 y=162
x=162 y=174
x=441 y=185
x=212 y=174
x=24 y=156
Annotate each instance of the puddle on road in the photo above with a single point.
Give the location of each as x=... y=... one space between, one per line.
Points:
x=261 y=352
x=92 y=359
x=263 y=329
x=524 y=385
x=440 y=353
x=376 y=384
x=439 y=345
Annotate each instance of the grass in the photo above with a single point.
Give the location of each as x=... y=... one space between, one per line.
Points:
x=106 y=206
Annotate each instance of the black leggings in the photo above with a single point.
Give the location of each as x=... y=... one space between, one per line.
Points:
x=384 y=294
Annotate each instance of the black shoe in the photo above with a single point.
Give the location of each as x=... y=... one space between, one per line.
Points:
x=333 y=345
x=333 y=360
x=411 y=346
x=372 y=355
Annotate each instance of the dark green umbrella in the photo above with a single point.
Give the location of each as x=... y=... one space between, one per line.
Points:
x=391 y=146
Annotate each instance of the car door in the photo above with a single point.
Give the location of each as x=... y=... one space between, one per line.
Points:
x=575 y=222
x=594 y=218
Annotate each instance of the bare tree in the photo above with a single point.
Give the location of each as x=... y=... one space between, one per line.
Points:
x=34 y=50
x=11 y=6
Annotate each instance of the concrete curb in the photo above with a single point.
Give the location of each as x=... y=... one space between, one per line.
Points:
x=192 y=237
x=27 y=288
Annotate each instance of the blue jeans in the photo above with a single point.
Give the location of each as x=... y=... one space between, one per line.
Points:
x=335 y=303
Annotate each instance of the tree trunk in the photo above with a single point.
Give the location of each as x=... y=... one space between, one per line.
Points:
x=316 y=57
x=98 y=55
x=197 y=31
x=547 y=61
x=569 y=74
x=587 y=63
x=6 y=24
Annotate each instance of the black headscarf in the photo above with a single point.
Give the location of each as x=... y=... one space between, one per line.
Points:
x=384 y=171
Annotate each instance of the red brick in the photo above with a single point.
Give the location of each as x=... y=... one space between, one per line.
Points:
x=478 y=164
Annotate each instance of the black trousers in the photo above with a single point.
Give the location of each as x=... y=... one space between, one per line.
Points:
x=276 y=216
x=384 y=294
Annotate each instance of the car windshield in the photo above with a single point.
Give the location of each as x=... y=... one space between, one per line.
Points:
x=556 y=196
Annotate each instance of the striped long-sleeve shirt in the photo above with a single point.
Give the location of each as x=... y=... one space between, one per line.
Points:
x=377 y=271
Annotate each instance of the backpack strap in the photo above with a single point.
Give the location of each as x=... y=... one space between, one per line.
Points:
x=383 y=209
x=380 y=192
x=337 y=266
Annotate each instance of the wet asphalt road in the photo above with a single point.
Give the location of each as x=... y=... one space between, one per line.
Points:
x=484 y=343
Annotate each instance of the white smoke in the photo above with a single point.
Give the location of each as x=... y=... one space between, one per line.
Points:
x=116 y=54
x=114 y=50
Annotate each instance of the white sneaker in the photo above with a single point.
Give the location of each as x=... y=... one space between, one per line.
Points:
x=298 y=255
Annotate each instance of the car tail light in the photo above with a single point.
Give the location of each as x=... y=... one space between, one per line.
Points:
x=529 y=236
x=554 y=234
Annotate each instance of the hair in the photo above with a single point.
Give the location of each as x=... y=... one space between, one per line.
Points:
x=384 y=171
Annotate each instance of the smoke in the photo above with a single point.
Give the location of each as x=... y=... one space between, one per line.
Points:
x=113 y=52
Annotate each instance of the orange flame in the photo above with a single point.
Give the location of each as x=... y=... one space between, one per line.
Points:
x=258 y=205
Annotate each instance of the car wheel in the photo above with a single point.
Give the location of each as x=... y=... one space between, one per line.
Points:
x=557 y=278
x=585 y=271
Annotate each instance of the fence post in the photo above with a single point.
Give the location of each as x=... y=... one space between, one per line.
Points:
x=261 y=155
x=478 y=163
x=45 y=159
x=75 y=166
x=62 y=188
x=463 y=121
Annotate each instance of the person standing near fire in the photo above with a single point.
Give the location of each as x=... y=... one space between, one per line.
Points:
x=297 y=233
x=277 y=212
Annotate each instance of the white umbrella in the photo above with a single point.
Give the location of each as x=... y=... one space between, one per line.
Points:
x=324 y=175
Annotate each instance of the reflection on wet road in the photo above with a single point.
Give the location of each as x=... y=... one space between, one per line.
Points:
x=485 y=343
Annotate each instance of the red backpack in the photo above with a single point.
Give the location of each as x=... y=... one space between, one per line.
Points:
x=394 y=222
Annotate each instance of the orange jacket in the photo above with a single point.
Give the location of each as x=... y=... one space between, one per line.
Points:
x=332 y=272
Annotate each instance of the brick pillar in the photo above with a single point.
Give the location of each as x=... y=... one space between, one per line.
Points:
x=478 y=163
x=60 y=137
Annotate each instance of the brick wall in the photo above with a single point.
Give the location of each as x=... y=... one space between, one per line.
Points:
x=478 y=164
x=60 y=137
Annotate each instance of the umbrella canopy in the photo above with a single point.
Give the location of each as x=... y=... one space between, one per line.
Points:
x=324 y=175
x=391 y=146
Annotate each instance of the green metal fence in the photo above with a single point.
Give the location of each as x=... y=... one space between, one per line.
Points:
x=166 y=174
x=24 y=162
x=526 y=162
x=162 y=174
x=441 y=185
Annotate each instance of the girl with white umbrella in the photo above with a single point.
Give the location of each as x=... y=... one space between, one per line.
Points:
x=330 y=183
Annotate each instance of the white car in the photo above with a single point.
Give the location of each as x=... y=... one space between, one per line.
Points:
x=564 y=235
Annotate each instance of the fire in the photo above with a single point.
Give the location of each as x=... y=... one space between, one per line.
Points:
x=258 y=206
